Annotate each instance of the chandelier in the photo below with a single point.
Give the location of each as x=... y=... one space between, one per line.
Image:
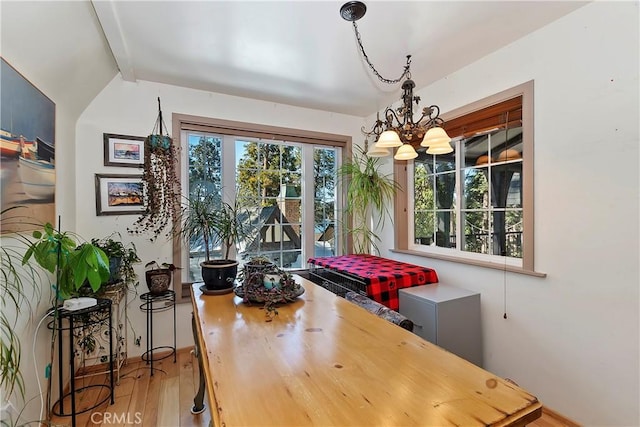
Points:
x=398 y=128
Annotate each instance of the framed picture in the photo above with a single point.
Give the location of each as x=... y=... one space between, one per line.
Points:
x=28 y=151
x=119 y=194
x=123 y=150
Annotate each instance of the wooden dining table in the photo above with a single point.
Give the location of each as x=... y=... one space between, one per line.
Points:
x=324 y=361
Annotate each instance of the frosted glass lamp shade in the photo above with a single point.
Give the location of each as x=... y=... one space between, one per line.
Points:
x=440 y=148
x=389 y=139
x=377 y=151
x=405 y=152
x=435 y=135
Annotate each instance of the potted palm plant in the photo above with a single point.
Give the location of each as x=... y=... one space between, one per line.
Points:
x=211 y=221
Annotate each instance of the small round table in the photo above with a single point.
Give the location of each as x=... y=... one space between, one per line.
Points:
x=153 y=303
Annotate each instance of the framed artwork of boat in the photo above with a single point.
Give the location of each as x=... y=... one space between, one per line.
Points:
x=123 y=150
x=27 y=148
x=118 y=194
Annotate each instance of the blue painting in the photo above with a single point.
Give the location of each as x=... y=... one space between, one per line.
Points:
x=27 y=150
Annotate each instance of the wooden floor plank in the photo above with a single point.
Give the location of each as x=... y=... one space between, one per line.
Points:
x=187 y=389
x=169 y=406
x=140 y=373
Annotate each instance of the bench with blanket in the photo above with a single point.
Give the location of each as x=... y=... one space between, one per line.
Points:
x=377 y=278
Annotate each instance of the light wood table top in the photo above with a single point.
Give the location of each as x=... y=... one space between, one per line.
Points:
x=325 y=361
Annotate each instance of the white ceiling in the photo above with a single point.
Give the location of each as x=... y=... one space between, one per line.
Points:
x=302 y=52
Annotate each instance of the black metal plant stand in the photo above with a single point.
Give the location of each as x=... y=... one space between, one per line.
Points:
x=153 y=303
x=77 y=320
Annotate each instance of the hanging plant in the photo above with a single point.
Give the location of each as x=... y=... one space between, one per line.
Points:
x=160 y=180
x=369 y=194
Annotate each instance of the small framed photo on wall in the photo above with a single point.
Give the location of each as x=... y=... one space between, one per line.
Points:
x=119 y=194
x=123 y=150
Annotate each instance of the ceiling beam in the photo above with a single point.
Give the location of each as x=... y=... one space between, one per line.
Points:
x=105 y=11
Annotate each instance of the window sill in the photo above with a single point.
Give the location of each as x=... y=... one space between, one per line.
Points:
x=185 y=296
x=495 y=266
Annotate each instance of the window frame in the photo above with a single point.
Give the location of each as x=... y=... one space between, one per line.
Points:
x=186 y=122
x=403 y=216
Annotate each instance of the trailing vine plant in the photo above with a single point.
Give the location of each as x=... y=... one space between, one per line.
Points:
x=161 y=182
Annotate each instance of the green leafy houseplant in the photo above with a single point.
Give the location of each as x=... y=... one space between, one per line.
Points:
x=368 y=192
x=121 y=259
x=73 y=264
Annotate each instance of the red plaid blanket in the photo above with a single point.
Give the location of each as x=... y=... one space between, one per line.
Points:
x=383 y=277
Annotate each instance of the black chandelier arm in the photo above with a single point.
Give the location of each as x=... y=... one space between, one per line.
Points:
x=432 y=114
x=389 y=115
x=433 y=111
x=373 y=132
x=406 y=71
x=431 y=123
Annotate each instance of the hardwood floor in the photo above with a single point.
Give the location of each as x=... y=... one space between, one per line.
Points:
x=165 y=399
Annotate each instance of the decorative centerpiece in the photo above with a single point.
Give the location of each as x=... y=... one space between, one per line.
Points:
x=263 y=282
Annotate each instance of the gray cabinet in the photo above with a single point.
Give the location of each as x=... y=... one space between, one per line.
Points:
x=446 y=316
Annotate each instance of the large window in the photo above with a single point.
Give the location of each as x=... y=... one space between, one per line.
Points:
x=476 y=203
x=286 y=189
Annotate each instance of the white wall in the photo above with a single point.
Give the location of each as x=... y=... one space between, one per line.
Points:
x=572 y=337
x=131 y=109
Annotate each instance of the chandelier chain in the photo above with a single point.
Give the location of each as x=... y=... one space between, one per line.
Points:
x=406 y=71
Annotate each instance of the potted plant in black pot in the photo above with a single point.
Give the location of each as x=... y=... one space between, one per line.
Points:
x=214 y=223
